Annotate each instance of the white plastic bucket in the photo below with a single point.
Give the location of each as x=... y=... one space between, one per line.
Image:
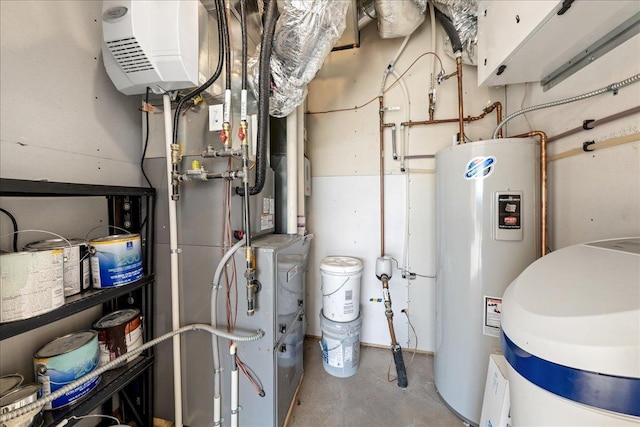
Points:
x=341 y=288
x=340 y=345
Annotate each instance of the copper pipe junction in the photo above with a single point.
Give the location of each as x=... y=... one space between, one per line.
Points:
x=543 y=185
x=495 y=106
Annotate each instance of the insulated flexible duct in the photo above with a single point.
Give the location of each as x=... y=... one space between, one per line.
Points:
x=264 y=80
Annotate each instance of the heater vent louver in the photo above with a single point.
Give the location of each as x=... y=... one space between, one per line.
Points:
x=129 y=55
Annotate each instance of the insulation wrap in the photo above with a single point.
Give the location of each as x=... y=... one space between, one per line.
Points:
x=399 y=18
x=464 y=15
x=305 y=33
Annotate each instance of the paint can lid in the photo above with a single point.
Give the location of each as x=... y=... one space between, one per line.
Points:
x=117 y=318
x=19 y=397
x=65 y=344
x=9 y=382
x=53 y=244
x=114 y=238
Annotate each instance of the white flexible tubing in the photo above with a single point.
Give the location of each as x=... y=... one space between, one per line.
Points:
x=234 y=388
x=173 y=246
x=215 y=285
x=292 y=173
x=432 y=13
x=119 y=360
x=405 y=146
x=610 y=88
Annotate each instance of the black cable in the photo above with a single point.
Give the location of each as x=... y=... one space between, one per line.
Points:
x=222 y=29
x=15 y=229
x=264 y=80
x=243 y=24
x=227 y=53
x=146 y=139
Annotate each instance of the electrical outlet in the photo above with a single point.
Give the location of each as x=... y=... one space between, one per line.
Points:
x=215 y=117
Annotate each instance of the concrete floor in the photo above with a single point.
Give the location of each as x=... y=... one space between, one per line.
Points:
x=368 y=399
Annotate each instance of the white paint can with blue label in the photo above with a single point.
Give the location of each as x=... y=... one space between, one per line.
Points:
x=64 y=360
x=116 y=260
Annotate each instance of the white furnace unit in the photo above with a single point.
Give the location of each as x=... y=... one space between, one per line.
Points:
x=487 y=233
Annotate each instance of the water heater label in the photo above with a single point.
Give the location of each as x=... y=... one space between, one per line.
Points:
x=509 y=211
x=479 y=167
x=492 y=314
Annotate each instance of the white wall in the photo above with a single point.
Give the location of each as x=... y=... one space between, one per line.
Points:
x=62 y=120
x=592 y=196
x=344 y=152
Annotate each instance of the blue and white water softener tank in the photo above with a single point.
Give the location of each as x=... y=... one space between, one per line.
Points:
x=488 y=229
x=571 y=335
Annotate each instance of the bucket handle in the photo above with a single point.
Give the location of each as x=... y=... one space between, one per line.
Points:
x=340 y=287
x=329 y=349
x=86 y=238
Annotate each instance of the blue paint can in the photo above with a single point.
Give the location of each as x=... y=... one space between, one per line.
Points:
x=116 y=260
x=64 y=360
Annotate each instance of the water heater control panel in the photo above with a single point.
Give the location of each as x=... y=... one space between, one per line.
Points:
x=508 y=215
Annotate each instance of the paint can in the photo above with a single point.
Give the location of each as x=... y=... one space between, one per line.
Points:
x=340 y=277
x=116 y=260
x=340 y=345
x=118 y=333
x=19 y=398
x=64 y=360
x=76 y=262
x=9 y=382
x=31 y=283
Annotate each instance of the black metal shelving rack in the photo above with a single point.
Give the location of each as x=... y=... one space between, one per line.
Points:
x=130 y=208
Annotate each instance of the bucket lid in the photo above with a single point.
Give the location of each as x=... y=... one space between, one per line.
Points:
x=580 y=307
x=65 y=344
x=117 y=318
x=19 y=397
x=9 y=382
x=341 y=264
x=115 y=238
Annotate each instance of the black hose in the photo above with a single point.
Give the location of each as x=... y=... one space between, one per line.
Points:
x=264 y=80
x=243 y=24
x=222 y=34
x=450 y=29
x=15 y=228
x=227 y=53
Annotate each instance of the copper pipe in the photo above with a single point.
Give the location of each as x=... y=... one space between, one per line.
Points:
x=382 y=126
x=495 y=106
x=460 y=112
x=543 y=185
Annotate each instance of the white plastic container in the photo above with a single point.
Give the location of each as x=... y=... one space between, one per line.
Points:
x=571 y=335
x=341 y=288
x=340 y=345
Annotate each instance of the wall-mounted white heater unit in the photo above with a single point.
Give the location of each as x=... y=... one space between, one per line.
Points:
x=151 y=44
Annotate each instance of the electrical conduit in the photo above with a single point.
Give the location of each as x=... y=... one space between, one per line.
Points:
x=122 y=359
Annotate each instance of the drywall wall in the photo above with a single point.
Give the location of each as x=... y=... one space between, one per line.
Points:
x=62 y=120
x=344 y=149
x=592 y=195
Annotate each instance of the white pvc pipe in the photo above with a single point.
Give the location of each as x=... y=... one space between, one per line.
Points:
x=234 y=387
x=302 y=221
x=173 y=246
x=292 y=173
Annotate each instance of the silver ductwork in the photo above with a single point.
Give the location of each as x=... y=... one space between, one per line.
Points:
x=305 y=34
x=399 y=18
x=464 y=15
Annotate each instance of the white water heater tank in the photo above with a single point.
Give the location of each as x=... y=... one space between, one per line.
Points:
x=488 y=226
x=151 y=44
